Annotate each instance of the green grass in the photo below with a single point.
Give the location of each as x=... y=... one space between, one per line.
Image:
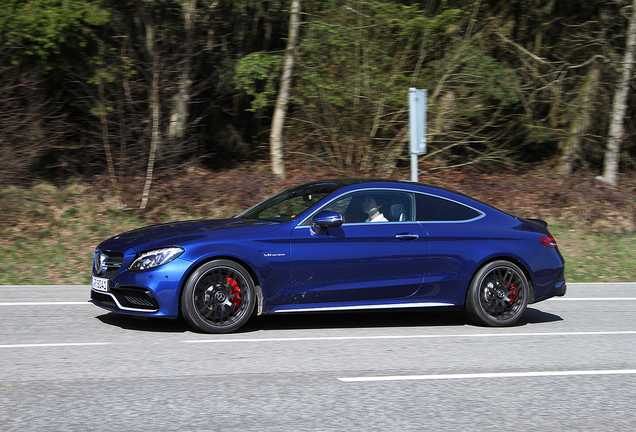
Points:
x=56 y=257
x=596 y=256
x=48 y=236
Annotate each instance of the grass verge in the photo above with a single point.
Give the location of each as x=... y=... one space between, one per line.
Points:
x=48 y=234
x=596 y=256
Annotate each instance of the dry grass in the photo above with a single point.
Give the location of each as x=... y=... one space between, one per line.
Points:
x=49 y=233
x=597 y=256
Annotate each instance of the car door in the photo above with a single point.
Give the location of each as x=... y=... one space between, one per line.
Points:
x=456 y=236
x=360 y=260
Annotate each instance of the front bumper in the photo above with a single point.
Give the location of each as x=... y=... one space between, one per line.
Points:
x=135 y=300
x=153 y=292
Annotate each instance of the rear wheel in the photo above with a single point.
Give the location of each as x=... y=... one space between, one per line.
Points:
x=498 y=294
x=218 y=297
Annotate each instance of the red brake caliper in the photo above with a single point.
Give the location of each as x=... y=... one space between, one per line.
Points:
x=234 y=289
x=513 y=295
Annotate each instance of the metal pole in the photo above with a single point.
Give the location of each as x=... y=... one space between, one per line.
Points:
x=414 y=167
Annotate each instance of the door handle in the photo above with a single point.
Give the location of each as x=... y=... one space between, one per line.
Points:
x=407 y=236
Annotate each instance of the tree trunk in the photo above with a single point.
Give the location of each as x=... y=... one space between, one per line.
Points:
x=180 y=109
x=280 y=110
x=156 y=137
x=610 y=171
x=106 y=139
x=155 y=108
x=581 y=121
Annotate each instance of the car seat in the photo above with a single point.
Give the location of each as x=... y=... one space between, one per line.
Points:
x=397 y=212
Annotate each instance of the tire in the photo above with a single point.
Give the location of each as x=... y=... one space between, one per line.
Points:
x=498 y=294
x=218 y=297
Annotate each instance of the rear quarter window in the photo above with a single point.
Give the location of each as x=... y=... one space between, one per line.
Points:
x=432 y=208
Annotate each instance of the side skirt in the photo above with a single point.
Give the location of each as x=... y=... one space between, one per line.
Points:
x=344 y=308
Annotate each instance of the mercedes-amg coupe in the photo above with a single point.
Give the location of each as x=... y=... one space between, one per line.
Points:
x=333 y=246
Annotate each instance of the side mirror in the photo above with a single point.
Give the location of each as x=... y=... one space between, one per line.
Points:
x=327 y=219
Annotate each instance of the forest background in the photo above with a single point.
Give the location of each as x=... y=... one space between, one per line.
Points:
x=119 y=113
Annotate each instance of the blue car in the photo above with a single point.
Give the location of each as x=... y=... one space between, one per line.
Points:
x=333 y=246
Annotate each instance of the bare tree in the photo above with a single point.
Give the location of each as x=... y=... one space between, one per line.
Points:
x=180 y=110
x=280 y=110
x=32 y=123
x=610 y=171
x=155 y=109
x=583 y=108
x=106 y=139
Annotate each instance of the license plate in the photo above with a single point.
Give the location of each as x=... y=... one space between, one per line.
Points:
x=99 y=284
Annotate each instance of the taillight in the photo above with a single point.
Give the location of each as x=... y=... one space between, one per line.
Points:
x=548 y=241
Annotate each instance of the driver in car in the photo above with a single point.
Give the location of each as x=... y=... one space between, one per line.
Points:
x=370 y=207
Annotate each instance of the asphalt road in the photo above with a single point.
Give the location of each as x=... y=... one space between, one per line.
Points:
x=569 y=365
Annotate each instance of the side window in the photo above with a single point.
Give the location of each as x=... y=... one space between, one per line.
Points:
x=289 y=208
x=374 y=205
x=435 y=209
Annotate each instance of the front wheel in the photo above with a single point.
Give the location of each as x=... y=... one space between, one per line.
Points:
x=498 y=294
x=218 y=297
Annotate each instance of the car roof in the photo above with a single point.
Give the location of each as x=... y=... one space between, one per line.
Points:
x=349 y=184
x=383 y=182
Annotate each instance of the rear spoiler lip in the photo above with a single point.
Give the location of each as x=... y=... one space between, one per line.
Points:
x=539 y=222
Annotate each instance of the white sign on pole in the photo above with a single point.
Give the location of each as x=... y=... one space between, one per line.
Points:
x=417 y=127
x=417 y=120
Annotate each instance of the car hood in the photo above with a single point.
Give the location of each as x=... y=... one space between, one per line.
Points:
x=183 y=232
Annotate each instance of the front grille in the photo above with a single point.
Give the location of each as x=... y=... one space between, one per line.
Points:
x=127 y=299
x=135 y=298
x=140 y=301
x=107 y=263
x=103 y=299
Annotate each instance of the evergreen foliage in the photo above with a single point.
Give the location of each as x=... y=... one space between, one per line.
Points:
x=44 y=28
x=508 y=82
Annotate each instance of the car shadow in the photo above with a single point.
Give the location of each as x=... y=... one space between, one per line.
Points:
x=370 y=319
x=383 y=319
x=147 y=324
x=535 y=316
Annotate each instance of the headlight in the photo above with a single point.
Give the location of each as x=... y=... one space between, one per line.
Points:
x=155 y=258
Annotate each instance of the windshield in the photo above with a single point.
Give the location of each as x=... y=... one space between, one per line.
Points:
x=288 y=204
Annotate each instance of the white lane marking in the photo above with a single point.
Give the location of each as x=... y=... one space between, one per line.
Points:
x=59 y=303
x=592 y=299
x=44 y=303
x=75 y=287
x=476 y=335
x=575 y=284
x=55 y=345
x=488 y=375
